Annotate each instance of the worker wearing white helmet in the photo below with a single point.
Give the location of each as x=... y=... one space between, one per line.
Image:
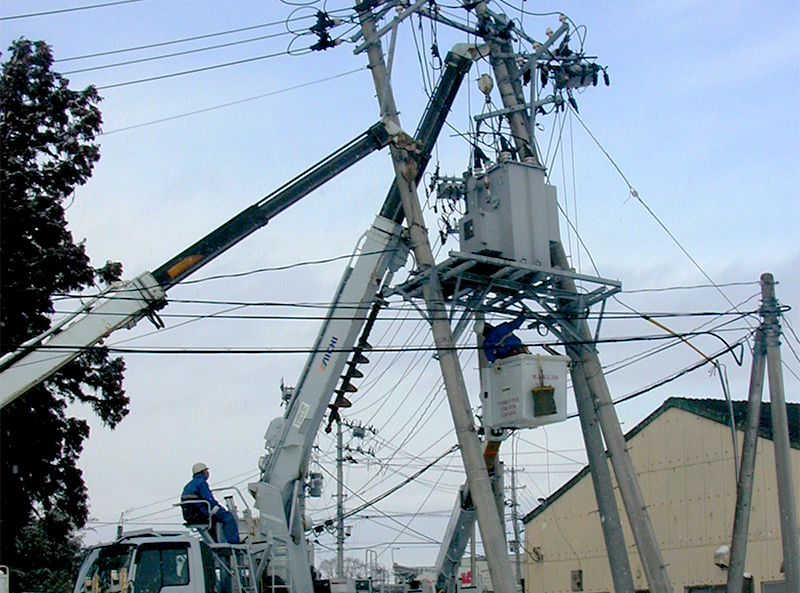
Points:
x=199 y=504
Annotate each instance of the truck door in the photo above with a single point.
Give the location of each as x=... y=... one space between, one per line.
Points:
x=164 y=568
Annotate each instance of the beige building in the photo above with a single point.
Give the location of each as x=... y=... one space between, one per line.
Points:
x=683 y=455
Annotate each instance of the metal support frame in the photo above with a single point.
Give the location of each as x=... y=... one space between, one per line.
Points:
x=500 y=283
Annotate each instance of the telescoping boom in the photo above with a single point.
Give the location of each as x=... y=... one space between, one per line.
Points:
x=123 y=304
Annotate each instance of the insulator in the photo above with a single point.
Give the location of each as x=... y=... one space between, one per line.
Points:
x=342 y=401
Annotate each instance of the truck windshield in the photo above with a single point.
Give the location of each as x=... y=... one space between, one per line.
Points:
x=109 y=571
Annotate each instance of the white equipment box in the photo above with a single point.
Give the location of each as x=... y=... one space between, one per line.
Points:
x=511 y=213
x=524 y=391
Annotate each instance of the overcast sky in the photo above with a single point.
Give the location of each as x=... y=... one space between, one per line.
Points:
x=702 y=119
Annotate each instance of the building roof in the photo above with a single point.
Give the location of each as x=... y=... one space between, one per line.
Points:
x=715 y=410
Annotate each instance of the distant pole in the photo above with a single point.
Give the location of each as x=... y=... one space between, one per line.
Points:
x=780 y=433
x=744 y=488
x=339 y=502
x=515 y=522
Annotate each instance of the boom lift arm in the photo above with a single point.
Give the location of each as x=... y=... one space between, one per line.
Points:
x=123 y=304
x=280 y=493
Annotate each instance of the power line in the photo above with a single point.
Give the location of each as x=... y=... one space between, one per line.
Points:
x=232 y=103
x=175 y=54
x=182 y=350
x=677 y=375
x=636 y=195
x=63 y=10
x=621 y=316
x=173 y=42
x=691 y=287
x=192 y=71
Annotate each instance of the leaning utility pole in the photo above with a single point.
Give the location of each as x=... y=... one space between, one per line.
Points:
x=770 y=314
x=747 y=469
x=405 y=167
x=588 y=378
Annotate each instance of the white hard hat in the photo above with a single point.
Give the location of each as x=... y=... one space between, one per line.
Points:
x=199 y=467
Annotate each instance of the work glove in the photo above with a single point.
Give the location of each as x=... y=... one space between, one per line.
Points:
x=214 y=510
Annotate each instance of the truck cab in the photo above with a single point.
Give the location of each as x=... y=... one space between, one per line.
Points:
x=150 y=562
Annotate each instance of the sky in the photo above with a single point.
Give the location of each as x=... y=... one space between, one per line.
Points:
x=702 y=119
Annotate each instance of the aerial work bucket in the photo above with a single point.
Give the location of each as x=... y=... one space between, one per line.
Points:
x=524 y=391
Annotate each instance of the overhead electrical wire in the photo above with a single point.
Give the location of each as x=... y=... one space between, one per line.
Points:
x=171 y=42
x=65 y=10
x=174 y=54
x=182 y=350
x=193 y=71
x=232 y=103
x=635 y=194
x=718 y=366
x=393 y=520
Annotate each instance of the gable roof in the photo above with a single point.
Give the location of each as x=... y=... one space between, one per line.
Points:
x=715 y=410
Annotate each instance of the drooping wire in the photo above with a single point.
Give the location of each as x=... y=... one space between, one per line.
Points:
x=635 y=194
x=173 y=41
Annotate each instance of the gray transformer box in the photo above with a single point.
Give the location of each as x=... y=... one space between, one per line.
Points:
x=511 y=213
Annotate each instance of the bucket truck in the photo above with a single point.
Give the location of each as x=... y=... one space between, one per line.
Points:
x=274 y=555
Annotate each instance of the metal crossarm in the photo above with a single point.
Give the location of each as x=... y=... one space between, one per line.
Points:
x=501 y=283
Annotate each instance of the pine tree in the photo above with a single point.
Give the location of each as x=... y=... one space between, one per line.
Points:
x=47 y=148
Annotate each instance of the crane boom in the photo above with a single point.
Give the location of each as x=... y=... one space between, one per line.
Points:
x=123 y=304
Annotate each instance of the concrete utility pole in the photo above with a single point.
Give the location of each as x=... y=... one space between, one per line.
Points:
x=618 y=560
x=586 y=361
x=771 y=325
x=586 y=364
x=405 y=167
x=744 y=488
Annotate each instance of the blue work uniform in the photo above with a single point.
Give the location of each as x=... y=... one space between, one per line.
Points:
x=500 y=341
x=197 y=489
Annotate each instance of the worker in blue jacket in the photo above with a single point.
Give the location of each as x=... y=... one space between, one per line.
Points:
x=500 y=342
x=198 y=512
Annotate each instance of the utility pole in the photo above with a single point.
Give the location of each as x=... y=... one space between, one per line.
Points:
x=620 y=565
x=339 y=501
x=770 y=313
x=515 y=522
x=744 y=487
x=405 y=167
x=586 y=365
